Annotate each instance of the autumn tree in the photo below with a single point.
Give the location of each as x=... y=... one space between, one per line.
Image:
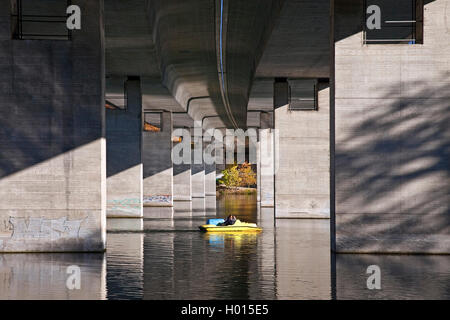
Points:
x=247 y=175
x=231 y=177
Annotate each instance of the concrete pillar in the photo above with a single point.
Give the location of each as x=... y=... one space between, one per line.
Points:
x=258 y=169
x=210 y=187
x=210 y=180
x=157 y=160
x=302 y=179
x=198 y=206
x=198 y=173
x=210 y=177
x=182 y=208
x=53 y=151
x=124 y=157
x=391 y=115
x=266 y=151
x=182 y=190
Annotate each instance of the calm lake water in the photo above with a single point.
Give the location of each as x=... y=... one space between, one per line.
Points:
x=170 y=259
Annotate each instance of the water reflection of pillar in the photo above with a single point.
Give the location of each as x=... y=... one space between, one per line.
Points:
x=125 y=254
x=44 y=276
x=184 y=264
x=266 y=265
x=402 y=276
x=159 y=266
x=303 y=259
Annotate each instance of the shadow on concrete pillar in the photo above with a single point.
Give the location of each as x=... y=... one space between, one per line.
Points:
x=157 y=161
x=182 y=185
x=52 y=146
x=124 y=158
x=198 y=171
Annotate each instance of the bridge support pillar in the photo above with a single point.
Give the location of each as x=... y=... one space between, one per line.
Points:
x=124 y=157
x=157 y=160
x=182 y=189
x=210 y=187
x=52 y=146
x=302 y=179
x=198 y=170
x=266 y=163
x=391 y=137
x=182 y=185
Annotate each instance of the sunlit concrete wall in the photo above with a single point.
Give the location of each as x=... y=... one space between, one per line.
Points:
x=53 y=152
x=198 y=172
x=302 y=179
x=157 y=160
x=258 y=169
x=124 y=157
x=266 y=160
x=392 y=136
x=210 y=180
x=210 y=187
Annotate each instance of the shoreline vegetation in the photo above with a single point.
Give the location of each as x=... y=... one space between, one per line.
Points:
x=222 y=189
x=237 y=179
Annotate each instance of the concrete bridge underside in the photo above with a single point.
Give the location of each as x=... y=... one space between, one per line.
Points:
x=372 y=156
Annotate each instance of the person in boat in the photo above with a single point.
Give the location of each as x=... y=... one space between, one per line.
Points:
x=229 y=221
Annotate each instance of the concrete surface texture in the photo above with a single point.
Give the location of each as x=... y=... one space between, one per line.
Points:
x=197 y=170
x=374 y=156
x=124 y=156
x=182 y=185
x=210 y=187
x=157 y=161
x=392 y=137
x=302 y=178
x=267 y=160
x=53 y=152
x=210 y=179
x=258 y=169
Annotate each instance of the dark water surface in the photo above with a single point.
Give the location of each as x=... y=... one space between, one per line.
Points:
x=170 y=259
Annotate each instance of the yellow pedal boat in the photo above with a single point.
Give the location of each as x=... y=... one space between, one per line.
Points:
x=238 y=226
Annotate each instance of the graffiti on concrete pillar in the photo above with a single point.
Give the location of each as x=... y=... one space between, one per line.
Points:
x=41 y=228
x=158 y=199
x=125 y=205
